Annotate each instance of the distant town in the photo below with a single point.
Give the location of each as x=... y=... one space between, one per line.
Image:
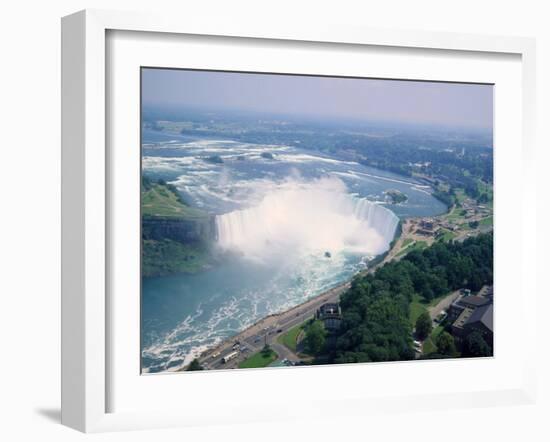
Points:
x=272 y=239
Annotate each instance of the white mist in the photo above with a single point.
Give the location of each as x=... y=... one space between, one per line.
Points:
x=296 y=218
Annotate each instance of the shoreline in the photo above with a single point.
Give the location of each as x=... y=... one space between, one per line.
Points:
x=269 y=325
x=266 y=325
x=303 y=311
x=269 y=322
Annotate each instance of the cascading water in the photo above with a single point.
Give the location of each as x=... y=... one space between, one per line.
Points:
x=288 y=220
x=305 y=218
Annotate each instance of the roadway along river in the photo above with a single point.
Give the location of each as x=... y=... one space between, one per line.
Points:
x=303 y=255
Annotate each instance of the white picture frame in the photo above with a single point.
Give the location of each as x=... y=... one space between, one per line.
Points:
x=86 y=204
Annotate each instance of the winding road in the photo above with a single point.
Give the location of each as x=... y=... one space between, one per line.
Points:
x=252 y=339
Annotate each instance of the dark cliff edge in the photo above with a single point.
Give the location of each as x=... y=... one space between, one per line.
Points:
x=179 y=229
x=176 y=238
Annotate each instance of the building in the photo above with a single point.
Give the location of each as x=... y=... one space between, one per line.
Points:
x=479 y=319
x=427 y=224
x=331 y=315
x=450 y=226
x=470 y=302
x=427 y=227
x=486 y=291
x=472 y=313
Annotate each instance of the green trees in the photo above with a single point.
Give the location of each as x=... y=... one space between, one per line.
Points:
x=315 y=337
x=444 y=197
x=375 y=309
x=448 y=266
x=375 y=321
x=266 y=351
x=483 y=198
x=423 y=326
x=195 y=365
x=146 y=183
x=445 y=344
x=475 y=346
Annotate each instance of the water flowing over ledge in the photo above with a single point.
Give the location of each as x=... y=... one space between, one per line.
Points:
x=297 y=218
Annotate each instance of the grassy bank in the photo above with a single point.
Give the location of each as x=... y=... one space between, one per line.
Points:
x=163 y=200
x=290 y=338
x=259 y=360
x=417 y=307
x=429 y=344
x=417 y=245
x=172 y=232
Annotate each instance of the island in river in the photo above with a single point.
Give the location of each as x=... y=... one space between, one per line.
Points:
x=266 y=192
x=395 y=196
x=226 y=243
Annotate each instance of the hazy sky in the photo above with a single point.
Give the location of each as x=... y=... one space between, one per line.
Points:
x=389 y=100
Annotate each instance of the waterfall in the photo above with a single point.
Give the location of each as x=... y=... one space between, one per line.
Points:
x=315 y=217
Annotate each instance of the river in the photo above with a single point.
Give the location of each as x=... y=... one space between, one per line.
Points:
x=301 y=222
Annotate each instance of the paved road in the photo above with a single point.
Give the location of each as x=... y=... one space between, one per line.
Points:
x=443 y=304
x=284 y=352
x=252 y=339
x=470 y=233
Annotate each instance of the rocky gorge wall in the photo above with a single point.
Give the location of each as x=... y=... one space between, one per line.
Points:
x=182 y=230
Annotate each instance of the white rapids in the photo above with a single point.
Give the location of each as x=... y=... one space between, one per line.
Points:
x=308 y=217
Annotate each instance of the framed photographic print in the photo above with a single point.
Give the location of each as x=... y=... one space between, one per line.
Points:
x=253 y=209
x=302 y=220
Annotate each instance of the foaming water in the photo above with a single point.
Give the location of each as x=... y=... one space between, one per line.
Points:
x=281 y=216
x=201 y=310
x=298 y=218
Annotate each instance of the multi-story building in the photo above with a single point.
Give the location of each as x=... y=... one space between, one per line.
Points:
x=472 y=313
x=470 y=302
x=331 y=315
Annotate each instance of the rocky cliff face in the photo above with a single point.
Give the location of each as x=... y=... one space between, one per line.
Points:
x=181 y=230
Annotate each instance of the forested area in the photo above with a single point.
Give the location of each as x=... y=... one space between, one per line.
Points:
x=450 y=164
x=458 y=156
x=375 y=309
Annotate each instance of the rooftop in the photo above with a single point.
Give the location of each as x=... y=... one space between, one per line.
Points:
x=474 y=301
x=330 y=308
x=484 y=315
x=463 y=318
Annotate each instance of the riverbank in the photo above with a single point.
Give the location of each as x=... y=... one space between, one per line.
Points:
x=254 y=337
x=414 y=232
x=176 y=238
x=412 y=235
x=266 y=330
